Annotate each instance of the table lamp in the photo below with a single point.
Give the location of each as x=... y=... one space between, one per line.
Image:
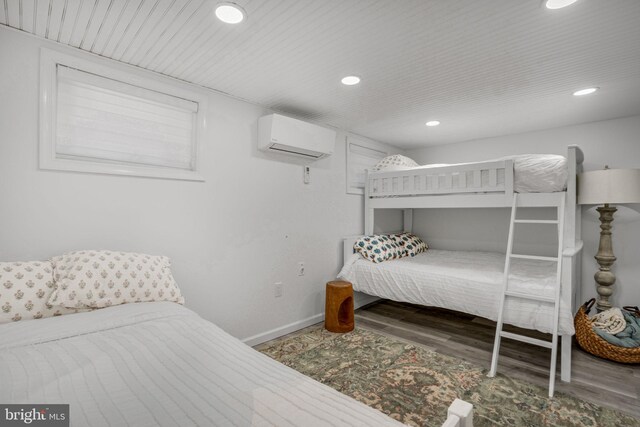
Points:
x=606 y=187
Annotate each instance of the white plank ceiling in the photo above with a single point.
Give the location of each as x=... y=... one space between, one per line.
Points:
x=482 y=67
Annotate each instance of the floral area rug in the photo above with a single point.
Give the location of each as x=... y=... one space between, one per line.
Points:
x=416 y=386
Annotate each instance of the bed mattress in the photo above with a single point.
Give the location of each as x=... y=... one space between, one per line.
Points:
x=533 y=173
x=470 y=282
x=159 y=364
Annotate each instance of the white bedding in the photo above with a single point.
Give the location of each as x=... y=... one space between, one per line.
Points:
x=158 y=363
x=533 y=173
x=469 y=282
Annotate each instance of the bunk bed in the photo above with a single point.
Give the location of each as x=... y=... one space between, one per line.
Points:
x=471 y=281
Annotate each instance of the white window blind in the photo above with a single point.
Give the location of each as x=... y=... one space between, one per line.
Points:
x=106 y=120
x=359 y=159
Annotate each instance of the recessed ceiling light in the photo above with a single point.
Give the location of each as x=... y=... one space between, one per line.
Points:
x=432 y=123
x=558 y=4
x=351 y=80
x=586 y=91
x=230 y=13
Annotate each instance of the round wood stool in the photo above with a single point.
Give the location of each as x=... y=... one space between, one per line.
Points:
x=338 y=316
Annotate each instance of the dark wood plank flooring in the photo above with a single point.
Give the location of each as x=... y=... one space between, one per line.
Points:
x=471 y=338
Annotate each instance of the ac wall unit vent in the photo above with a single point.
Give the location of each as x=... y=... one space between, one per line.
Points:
x=280 y=134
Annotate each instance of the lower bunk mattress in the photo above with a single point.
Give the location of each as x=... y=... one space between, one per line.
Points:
x=469 y=282
x=160 y=364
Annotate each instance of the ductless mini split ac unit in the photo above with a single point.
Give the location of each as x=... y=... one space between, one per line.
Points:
x=280 y=134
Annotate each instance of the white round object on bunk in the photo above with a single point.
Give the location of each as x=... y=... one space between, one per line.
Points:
x=396 y=162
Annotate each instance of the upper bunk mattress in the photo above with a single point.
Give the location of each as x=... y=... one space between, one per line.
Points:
x=470 y=282
x=533 y=173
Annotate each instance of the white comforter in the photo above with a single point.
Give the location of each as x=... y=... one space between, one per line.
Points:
x=470 y=282
x=532 y=173
x=151 y=364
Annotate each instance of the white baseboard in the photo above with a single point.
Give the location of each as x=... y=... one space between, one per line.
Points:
x=358 y=301
x=283 y=330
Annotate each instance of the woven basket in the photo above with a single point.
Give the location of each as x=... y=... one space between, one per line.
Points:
x=591 y=342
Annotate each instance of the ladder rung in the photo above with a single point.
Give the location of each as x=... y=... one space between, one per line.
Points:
x=536 y=221
x=539 y=258
x=523 y=295
x=524 y=338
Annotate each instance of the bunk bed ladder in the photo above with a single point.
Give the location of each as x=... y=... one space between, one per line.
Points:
x=507 y=293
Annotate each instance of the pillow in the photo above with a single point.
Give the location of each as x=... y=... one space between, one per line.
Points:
x=377 y=248
x=384 y=247
x=409 y=244
x=100 y=279
x=25 y=288
x=396 y=162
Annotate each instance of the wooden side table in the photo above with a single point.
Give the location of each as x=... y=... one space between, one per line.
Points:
x=339 y=307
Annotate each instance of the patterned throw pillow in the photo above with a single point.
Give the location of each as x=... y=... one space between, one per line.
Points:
x=385 y=247
x=395 y=162
x=25 y=288
x=99 y=279
x=377 y=248
x=409 y=244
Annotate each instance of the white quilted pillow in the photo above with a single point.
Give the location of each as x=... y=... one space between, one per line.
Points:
x=539 y=173
x=100 y=279
x=395 y=162
x=25 y=288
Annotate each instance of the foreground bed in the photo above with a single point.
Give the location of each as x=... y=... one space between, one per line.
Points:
x=159 y=363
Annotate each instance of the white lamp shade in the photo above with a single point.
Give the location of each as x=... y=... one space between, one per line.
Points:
x=613 y=186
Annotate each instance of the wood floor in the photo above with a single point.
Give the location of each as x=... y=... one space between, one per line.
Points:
x=471 y=338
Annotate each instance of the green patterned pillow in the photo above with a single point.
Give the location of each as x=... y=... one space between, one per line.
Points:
x=377 y=248
x=409 y=244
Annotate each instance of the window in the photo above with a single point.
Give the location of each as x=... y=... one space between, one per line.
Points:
x=104 y=120
x=360 y=157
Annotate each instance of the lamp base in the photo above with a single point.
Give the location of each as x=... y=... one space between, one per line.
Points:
x=605 y=277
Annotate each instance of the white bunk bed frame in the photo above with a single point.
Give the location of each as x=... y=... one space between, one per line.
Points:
x=449 y=187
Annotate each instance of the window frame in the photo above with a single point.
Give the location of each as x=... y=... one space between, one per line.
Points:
x=353 y=186
x=48 y=159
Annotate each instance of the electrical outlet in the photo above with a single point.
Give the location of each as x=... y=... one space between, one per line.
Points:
x=301 y=268
x=278 y=289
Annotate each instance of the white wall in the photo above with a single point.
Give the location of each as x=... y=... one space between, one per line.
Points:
x=230 y=238
x=613 y=142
